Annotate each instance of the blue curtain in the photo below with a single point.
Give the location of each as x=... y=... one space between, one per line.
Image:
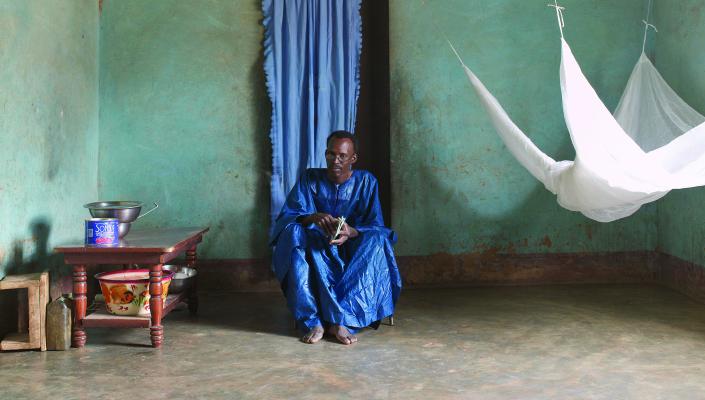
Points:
x=311 y=61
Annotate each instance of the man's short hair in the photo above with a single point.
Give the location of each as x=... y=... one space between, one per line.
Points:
x=343 y=135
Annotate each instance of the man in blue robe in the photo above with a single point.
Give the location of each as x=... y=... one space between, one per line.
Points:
x=335 y=284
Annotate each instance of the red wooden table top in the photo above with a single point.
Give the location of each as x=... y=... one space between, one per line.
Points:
x=164 y=240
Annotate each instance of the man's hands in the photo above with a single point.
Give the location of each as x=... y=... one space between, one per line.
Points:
x=329 y=225
x=324 y=221
x=346 y=232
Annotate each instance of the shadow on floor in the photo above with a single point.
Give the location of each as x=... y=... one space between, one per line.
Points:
x=252 y=312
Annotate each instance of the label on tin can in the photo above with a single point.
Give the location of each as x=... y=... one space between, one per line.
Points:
x=102 y=231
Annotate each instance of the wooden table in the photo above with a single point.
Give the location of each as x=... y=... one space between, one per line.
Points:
x=154 y=248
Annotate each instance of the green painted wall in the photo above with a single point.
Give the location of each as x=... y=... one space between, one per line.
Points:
x=455 y=187
x=184 y=121
x=48 y=127
x=184 y=117
x=680 y=57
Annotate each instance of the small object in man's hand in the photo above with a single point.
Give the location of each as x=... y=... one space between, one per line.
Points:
x=341 y=222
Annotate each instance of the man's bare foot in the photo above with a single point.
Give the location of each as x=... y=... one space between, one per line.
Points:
x=314 y=335
x=342 y=334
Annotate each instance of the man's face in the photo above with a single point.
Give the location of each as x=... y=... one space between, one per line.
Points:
x=340 y=156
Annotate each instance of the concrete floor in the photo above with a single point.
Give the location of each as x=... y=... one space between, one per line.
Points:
x=553 y=342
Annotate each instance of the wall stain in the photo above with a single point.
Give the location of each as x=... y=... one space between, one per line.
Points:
x=486 y=251
x=546 y=241
x=492 y=251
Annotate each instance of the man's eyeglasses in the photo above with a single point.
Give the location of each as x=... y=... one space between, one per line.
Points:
x=342 y=157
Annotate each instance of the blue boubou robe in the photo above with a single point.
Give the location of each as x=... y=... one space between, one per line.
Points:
x=355 y=284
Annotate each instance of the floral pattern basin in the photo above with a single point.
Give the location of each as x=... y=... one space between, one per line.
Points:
x=126 y=292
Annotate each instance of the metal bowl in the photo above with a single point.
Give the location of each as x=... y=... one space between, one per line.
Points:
x=183 y=279
x=126 y=212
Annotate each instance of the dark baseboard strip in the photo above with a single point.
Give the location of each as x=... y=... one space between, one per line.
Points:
x=467 y=270
x=683 y=276
x=453 y=270
x=246 y=275
x=527 y=269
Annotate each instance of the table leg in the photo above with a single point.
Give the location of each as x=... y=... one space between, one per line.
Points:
x=193 y=291
x=156 y=331
x=191 y=256
x=80 y=287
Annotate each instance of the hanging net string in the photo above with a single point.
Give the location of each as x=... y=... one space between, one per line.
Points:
x=442 y=32
x=646 y=30
x=456 y=53
x=647 y=25
x=559 y=14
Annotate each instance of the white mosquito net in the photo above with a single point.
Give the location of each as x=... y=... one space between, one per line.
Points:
x=653 y=143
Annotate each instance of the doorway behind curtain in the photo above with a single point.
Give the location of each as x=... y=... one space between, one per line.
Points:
x=372 y=127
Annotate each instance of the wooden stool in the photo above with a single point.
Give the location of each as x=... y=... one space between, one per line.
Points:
x=37 y=286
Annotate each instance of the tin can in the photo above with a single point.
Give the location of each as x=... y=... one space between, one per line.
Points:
x=102 y=231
